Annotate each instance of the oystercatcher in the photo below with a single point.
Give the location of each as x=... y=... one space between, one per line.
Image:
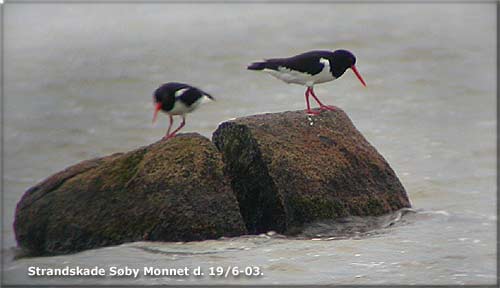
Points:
x=310 y=68
x=177 y=99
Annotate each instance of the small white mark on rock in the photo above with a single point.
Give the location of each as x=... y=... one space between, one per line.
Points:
x=311 y=122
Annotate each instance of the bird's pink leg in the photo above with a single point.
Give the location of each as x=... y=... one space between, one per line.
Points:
x=171 y=118
x=178 y=128
x=169 y=127
x=309 y=111
x=321 y=105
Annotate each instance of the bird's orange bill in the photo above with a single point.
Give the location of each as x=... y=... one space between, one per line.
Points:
x=157 y=108
x=358 y=75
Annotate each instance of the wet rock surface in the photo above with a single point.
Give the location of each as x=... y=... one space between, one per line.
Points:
x=171 y=190
x=280 y=172
x=288 y=169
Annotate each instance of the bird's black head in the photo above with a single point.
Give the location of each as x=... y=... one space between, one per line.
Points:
x=166 y=92
x=164 y=97
x=343 y=60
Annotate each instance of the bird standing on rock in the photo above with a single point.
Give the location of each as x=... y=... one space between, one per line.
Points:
x=310 y=68
x=177 y=99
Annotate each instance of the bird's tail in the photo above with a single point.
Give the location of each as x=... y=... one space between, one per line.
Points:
x=208 y=96
x=257 y=66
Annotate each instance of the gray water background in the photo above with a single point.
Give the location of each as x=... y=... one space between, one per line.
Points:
x=78 y=80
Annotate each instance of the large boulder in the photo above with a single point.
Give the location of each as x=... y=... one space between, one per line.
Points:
x=288 y=169
x=172 y=190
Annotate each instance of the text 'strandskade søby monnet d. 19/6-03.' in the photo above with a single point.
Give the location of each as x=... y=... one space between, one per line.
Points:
x=149 y=271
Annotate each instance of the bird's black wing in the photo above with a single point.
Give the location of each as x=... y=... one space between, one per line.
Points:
x=192 y=95
x=205 y=93
x=172 y=87
x=308 y=62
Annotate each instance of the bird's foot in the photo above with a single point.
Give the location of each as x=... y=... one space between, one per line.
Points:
x=166 y=137
x=328 y=107
x=312 y=112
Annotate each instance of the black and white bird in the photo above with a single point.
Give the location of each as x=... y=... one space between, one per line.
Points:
x=177 y=99
x=310 y=68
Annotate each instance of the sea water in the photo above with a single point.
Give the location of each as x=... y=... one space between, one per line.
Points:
x=78 y=83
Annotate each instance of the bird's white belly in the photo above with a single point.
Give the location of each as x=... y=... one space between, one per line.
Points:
x=324 y=76
x=180 y=108
x=296 y=77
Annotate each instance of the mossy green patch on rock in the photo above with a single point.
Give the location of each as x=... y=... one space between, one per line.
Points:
x=171 y=190
x=288 y=169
